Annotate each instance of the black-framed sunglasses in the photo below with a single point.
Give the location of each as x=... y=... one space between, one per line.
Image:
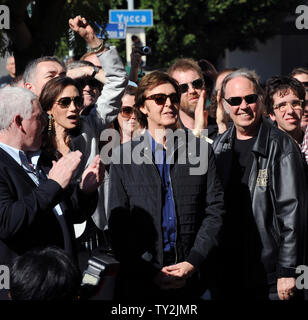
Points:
x=305 y=84
x=66 y=101
x=127 y=111
x=236 y=101
x=161 y=98
x=196 y=84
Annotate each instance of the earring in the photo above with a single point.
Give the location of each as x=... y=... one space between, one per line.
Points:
x=50 y=121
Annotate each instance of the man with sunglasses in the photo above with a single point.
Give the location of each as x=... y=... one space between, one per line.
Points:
x=90 y=79
x=164 y=220
x=190 y=78
x=263 y=239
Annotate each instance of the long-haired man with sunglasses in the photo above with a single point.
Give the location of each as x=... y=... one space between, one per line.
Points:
x=164 y=221
x=263 y=239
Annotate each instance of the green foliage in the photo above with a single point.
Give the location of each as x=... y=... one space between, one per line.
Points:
x=204 y=29
x=182 y=28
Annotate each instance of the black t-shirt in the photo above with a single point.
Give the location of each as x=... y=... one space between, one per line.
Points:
x=242 y=242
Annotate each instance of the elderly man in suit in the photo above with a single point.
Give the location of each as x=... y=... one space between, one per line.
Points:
x=37 y=202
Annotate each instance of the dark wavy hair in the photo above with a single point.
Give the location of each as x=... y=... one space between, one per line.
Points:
x=149 y=82
x=52 y=89
x=46 y=274
x=282 y=83
x=131 y=91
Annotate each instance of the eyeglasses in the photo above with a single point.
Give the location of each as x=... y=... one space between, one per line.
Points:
x=196 y=84
x=161 y=98
x=66 y=101
x=236 y=101
x=127 y=111
x=295 y=105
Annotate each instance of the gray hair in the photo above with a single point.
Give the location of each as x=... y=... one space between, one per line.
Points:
x=14 y=101
x=245 y=73
x=30 y=69
x=78 y=64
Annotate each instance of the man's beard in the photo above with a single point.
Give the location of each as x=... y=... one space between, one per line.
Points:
x=189 y=109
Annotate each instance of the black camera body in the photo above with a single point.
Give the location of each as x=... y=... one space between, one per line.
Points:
x=100 y=264
x=146 y=50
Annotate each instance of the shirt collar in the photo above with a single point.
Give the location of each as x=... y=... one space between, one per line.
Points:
x=20 y=156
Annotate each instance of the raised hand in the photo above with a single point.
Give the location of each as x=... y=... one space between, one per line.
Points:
x=201 y=114
x=62 y=170
x=93 y=176
x=81 y=26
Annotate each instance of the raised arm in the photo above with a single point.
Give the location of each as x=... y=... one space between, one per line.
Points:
x=109 y=102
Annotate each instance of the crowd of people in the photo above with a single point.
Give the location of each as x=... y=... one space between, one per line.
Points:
x=194 y=180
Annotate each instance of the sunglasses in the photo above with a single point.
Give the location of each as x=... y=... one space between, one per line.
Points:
x=305 y=84
x=127 y=112
x=161 y=98
x=66 y=101
x=196 y=84
x=236 y=101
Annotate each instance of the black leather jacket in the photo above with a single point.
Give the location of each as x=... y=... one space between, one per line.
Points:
x=278 y=191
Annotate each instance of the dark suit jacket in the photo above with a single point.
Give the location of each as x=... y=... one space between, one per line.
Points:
x=27 y=219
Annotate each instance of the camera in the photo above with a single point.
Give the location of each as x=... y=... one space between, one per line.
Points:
x=100 y=264
x=145 y=50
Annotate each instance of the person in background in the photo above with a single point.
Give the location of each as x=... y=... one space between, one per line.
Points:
x=126 y=123
x=136 y=62
x=90 y=79
x=217 y=111
x=209 y=76
x=39 y=71
x=11 y=69
x=305 y=145
x=190 y=78
x=301 y=74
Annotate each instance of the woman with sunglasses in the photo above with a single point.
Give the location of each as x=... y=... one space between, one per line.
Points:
x=126 y=123
x=67 y=130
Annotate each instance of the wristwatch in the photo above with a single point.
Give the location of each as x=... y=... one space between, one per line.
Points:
x=96 y=70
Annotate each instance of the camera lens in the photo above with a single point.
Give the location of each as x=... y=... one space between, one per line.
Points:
x=146 y=50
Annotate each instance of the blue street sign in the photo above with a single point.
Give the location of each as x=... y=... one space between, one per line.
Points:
x=132 y=18
x=114 y=30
